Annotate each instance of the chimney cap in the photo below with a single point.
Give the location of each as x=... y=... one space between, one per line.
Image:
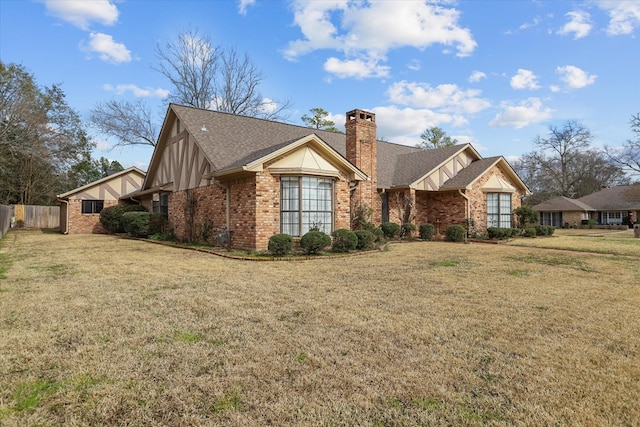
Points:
x=361 y=115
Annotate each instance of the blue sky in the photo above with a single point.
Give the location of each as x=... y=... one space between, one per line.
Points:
x=493 y=73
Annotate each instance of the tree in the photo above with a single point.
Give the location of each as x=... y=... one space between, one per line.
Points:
x=201 y=75
x=318 y=120
x=41 y=138
x=130 y=123
x=206 y=76
x=563 y=164
x=434 y=137
x=628 y=157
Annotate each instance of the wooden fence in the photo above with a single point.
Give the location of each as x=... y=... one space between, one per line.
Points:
x=38 y=216
x=6 y=212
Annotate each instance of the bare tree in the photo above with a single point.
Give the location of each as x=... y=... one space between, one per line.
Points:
x=130 y=123
x=563 y=164
x=628 y=157
x=201 y=75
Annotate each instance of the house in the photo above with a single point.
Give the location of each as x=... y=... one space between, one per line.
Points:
x=246 y=179
x=609 y=206
x=80 y=208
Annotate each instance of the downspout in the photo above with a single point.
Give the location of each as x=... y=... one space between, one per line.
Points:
x=66 y=217
x=228 y=208
x=467 y=210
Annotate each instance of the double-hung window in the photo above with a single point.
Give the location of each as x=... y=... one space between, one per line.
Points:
x=160 y=203
x=305 y=202
x=499 y=210
x=92 y=206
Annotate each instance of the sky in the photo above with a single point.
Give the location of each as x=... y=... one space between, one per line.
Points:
x=496 y=74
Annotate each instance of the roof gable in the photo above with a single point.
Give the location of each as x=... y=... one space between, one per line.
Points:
x=621 y=197
x=562 y=204
x=128 y=186
x=469 y=175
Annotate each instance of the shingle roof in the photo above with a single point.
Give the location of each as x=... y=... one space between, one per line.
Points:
x=621 y=197
x=229 y=141
x=469 y=174
x=562 y=204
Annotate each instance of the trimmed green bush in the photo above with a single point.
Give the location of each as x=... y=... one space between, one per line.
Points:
x=344 y=240
x=314 y=241
x=529 y=232
x=365 y=239
x=545 y=230
x=426 y=231
x=111 y=217
x=391 y=230
x=455 y=233
x=280 y=244
x=407 y=230
x=142 y=224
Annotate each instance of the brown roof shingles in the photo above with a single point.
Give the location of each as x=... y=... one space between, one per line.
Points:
x=230 y=141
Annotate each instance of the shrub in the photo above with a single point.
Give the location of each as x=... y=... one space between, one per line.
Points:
x=314 y=241
x=280 y=244
x=455 y=233
x=111 y=217
x=426 y=231
x=501 y=233
x=407 y=229
x=529 y=232
x=142 y=224
x=526 y=215
x=365 y=239
x=391 y=230
x=344 y=240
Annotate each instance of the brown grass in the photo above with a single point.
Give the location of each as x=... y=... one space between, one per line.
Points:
x=97 y=330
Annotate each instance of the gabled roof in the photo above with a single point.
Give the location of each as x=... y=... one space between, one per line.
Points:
x=621 y=197
x=102 y=180
x=411 y=166
x=232 y=142
x=562 y=204
x=469 y=175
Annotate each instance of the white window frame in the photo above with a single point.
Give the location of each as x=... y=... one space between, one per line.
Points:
x=499 y=212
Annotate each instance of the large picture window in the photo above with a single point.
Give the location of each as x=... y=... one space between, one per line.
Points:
x=92 y=206
x=499 y=210
x=306 y=202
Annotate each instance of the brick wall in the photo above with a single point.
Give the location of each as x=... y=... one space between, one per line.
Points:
x=80 y=223
x=478 y=198
x=361 y=150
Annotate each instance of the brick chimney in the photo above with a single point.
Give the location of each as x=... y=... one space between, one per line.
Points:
x=362 y=152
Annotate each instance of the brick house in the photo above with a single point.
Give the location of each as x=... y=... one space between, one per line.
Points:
x=222 y=175
x=609 y=206
x=80 y=208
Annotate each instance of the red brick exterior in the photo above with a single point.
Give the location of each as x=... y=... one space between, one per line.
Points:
x=361 y=146
x=80 y=223
x=254 y=210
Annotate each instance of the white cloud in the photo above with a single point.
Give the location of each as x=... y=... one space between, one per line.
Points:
x=578 y=24
x=243 y=5
x=414 y=65
x=448 y=98
x=366 y=31
x=404 y=125
x=108 y=49
x=82 y=12
x=103 y=145
x=624 y=16
x=137 y=91
x=356 y=68
x=518 y=116
x=476 y=76
x=574 y=77
x=524 y=79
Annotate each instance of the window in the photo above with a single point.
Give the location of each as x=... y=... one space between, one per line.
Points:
x=499 y=210
x=551 y=218
x=92 y=206
x=306 y=201
x=160 y=203
x=612 y=217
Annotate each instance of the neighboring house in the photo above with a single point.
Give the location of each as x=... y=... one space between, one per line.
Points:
x=218 y=174
x=80 y=208
x=608 y=206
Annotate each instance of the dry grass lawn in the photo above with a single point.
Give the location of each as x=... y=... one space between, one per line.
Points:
x=98 y=330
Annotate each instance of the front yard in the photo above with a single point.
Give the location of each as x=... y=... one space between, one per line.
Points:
x=99 y=330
